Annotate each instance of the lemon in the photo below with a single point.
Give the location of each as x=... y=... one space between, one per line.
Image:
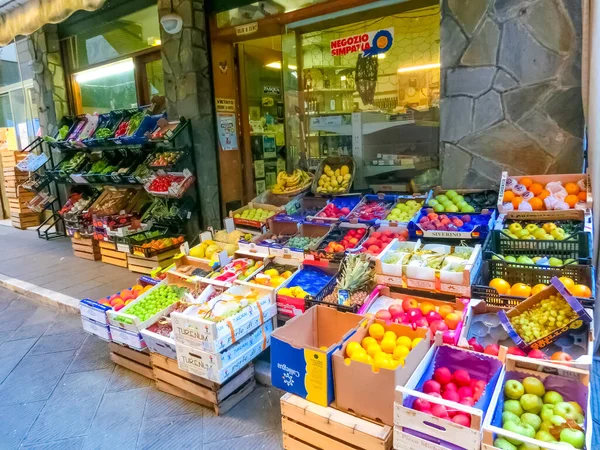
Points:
x=351 y=347
x=415 y=342
x=400 y=352
x=376 y=331
x=334 y=182
x=372 y=349
x=337 y=172
x=347 y=177
x=272 y=272
x=344 y=170
x=286 y=291
x=367 y=341
x=389 y=335
x=388 y=345
x=286 y=274
x=360 y=356
x=405 y=341
x=321 y=181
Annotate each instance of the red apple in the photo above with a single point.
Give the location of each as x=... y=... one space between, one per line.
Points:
x=451 y=386
x=421 y=322
x=439 y=411
x=438 y=325
x=492 y=349
x=476 y=346
x=420 y=405
x=436 y=395
x=451 y=395
x=467 y=401
x=537 y=354
x=431 y=386
x=414 y=314
x=462 y=419
x=409 y=303
x=448 y=337
x=383 y=314
x=395 y=310
x=401 y=318
x=515 y=351
x=442 y=375
x=432 y=316
x=464 y=392
x=461 y=377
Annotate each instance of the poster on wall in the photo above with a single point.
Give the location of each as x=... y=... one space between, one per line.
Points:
x=227 y=131
x=370 y=43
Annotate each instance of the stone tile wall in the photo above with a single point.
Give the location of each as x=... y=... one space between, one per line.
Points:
x=511 y=89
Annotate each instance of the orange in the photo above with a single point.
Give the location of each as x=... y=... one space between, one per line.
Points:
x=502 y=286
x=545 y=193
x=568 y=282
x=520 y=290
x=536 y=203
x=538 y=288
x=571 y=200
x=572 y=188
x=582 y=196
x=581 y=290
x=536 y=188
x=526 y=181
x=516 y=201
x=508 y=196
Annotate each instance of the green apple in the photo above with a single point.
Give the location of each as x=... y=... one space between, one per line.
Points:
x=507 y=416
x=546 y=425
x=532 y=419
x=534 y=386
x=536 y=259
x=539 y=233
x=514 y=227
x=544 y=436
x=503 y=444
x=565 y=410
x=524 y=260
x=513 y=406
x=522 y=233
x=572 y=436
x=577 y=407
x=570 y=261
x=526 y=446
x=510 y=258
x=557 y=420
x=497 y=258
x=439 y=208
x=452 y=208
x=579 y=419
x=451 y=194
x=467 y=209
x=513 y=389
x=547 y=412
x=462 y=204
x=552 y=397
x=532 y=403
x=531 y=227
x=548 y=237
x=529 y=238
x=559 y=234
x=522 y=429
x=441 y=198
x=555 y=262
x=458 y=199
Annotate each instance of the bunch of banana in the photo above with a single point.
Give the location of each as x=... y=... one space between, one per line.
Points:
x=291 y=182
x=334 y=181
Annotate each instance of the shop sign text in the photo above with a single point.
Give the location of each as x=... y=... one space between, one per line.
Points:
x=370 y=44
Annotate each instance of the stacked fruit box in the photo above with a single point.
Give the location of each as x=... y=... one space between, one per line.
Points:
x=21 y=216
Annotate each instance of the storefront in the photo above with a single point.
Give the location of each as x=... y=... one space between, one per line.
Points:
x=364 y=84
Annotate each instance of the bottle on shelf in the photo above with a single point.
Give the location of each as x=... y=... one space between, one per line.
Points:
x=325 y=149
x=326 y=83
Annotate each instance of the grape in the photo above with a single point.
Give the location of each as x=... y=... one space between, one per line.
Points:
x=545 y=317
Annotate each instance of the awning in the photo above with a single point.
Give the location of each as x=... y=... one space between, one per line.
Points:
x=31 y=16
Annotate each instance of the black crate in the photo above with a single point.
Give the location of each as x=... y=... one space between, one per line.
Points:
x=531 y=275
x=577 y=246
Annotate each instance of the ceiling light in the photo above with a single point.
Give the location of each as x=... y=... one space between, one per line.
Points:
x=277 y=65
x=424 y=67
x=105 y=71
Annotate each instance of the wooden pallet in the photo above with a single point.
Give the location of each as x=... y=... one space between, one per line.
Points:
x=113 y=257
x=107 y=245
x=140 y=264
x=86 y=249
x=308 y=426
x=133 y=360
x=220 y=397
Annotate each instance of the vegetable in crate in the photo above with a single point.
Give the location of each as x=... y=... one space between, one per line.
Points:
x=155 y=301
x=122 y=129
x=134 y=123
x=103 y=133
x=163 y=183
x=164 y=159
x=357 y=278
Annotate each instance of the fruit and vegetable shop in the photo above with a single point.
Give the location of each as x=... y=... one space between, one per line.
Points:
x=389 y=215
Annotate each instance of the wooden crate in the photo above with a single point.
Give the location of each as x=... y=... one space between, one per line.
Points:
x=24 y=221
x=12 y=158
x=86 y=248
x=107 y=245
x=308 y=426
x=113 y=257
x=139 y=264
x=221 y=397
x=133 y=360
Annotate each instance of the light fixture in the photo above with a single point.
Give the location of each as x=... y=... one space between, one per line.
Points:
x=414 y=68
x=171 y=23
x=277 y=65
x=105 y=71
x=381 y=55
x=156 y=42
x=343 y=78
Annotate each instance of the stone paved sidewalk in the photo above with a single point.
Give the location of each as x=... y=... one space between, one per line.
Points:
x=59 y=390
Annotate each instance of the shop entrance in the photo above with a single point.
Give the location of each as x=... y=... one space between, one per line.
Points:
x=260 y=78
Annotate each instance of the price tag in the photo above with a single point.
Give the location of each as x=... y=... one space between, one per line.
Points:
x=343 y=295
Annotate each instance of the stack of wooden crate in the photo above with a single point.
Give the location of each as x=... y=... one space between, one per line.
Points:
x=110 y=255
x=18 y=198
x=86 y=248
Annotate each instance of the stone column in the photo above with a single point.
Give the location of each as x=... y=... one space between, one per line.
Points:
x=511 y=89
x=189 y=94
x=49 y=83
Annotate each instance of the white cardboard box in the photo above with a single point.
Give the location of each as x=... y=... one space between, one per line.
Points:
x=158 y=343
x=190 y=361
x=95 y=328
x=133 y=340
x=94 y=311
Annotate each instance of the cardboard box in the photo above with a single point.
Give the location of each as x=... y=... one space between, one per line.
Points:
x=375 y=398
x=202 y=334
x=98 y=329
x=484 y=222
x=571 y=383
x=219 y=367
x=556 y=287
x=261 y=225
x=419 y=198
x=436 y=280
x=94 y=311
x=301 y=352
x=417 y=430
x=544 y=179
x=158 y=343
x=121 y=336
x=310 y=230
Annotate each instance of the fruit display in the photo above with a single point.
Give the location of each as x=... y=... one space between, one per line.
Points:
x=382 y=348
x=372 y=208
x=232 y=237
x=548 y=231
x=457 y=386
x=238 y=269
x=256 y=214
x=164 y=159
x=403 y=212
x=526 y=194
x=532 y=407
x=155 y=301
x=535 y=261
x=335 y=181
x=76 y=203
x=378 y=240
x=273 y=275
x=443 y=222
x=525 y=290
x=307 y=281
x=162 y=210
x=338 y=208
x=302 y=242
x=354 y=283
x=121 y=299
x=339 y=240
x=225 y=305
x=162 y=183
x=291 y=183
x=73 y=164
x=156 y=246
x=451 y=201
x=210 y=250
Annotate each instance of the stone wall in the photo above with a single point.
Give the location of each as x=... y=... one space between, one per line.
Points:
x=189 y=94
x=511 y=89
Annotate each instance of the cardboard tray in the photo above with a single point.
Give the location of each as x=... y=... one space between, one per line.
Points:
x=479 y=231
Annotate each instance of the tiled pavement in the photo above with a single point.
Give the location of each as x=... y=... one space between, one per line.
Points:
x=59 y=390
x=51 y=265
